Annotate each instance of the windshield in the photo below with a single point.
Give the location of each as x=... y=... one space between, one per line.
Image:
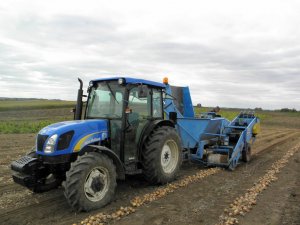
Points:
x=105 y=100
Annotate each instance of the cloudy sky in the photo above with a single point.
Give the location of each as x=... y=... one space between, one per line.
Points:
x=230 y=53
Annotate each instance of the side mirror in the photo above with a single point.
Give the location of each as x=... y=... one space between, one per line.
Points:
x=142 y=91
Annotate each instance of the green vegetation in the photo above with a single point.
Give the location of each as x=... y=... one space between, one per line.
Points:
x=9 y=105
x=17 y=127
x=31 y=115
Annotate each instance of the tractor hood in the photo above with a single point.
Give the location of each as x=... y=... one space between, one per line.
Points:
x=72 y=136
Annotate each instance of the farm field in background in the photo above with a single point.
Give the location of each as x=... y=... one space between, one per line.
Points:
x=200 y=203
x=9 y=105
x=32 y=115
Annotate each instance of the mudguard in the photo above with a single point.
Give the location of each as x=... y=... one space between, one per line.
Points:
x=109 y=153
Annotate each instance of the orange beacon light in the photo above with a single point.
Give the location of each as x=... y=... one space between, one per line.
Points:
x=165 y=80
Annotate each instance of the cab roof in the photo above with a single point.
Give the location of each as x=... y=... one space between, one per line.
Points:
x=129 y=80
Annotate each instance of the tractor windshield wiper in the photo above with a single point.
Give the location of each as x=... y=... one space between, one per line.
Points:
x=111 y=92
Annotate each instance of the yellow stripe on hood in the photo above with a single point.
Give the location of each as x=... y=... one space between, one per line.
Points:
x=81 y=141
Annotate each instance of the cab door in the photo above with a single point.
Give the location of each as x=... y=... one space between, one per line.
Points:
x=138 y=116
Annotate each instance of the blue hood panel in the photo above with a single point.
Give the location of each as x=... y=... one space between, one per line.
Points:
x=85 y=132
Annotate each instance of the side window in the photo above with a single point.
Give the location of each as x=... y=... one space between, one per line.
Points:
x=139 y=106
x=118 y=103
x=119 y=96
x=157 y=104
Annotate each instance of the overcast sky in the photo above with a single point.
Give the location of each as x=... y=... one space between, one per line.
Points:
x=230 y=53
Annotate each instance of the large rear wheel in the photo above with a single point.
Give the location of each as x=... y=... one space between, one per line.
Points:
x=90 y=182
x=162 y=155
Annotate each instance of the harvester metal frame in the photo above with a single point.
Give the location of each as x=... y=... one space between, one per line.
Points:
x=200 y=134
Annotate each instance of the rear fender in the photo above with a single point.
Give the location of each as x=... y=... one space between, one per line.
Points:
x=110 y=154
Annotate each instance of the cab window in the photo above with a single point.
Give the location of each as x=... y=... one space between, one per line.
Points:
x=157 y=103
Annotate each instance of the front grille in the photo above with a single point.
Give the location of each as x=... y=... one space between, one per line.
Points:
x=41 y=139
x=65 y=140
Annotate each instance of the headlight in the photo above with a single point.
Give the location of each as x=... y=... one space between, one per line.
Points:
x=51 y=144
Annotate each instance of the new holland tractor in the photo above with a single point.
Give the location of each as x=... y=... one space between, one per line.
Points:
x=130 y=126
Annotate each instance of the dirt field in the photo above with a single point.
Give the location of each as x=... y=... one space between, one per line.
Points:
x=201 y=202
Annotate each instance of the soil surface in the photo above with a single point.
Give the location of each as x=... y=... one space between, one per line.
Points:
x=201 y=202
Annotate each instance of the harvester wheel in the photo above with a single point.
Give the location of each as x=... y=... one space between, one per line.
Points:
x=90 y=182
x=162 y=155
x=246 y=154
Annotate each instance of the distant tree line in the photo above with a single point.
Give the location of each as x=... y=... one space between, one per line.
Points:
x=277 y=110
x=287 y=110
x=259 y=109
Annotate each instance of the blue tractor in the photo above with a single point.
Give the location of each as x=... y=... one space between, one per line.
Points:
x=130 y=126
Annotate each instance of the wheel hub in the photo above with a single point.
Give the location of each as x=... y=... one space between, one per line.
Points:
x=96 y=184
x=169 y=156
x=166 y=155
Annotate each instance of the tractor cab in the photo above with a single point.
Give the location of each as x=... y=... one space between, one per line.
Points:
x=129 y=106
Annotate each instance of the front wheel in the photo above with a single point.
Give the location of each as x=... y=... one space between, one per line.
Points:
x=162 y=155
x=90 y=182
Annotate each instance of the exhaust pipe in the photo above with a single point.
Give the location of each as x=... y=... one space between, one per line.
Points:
x=78 y=109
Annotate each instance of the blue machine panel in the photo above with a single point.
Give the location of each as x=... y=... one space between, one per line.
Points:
x=187 y=102
x=85 y=132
